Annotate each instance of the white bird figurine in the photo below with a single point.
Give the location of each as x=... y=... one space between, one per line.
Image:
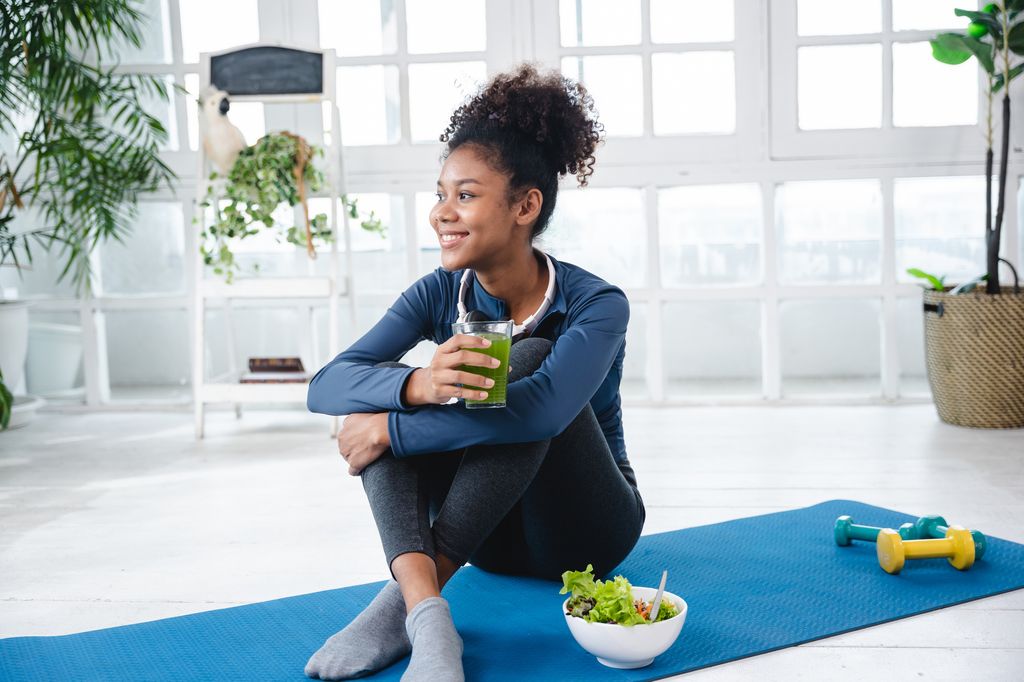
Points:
x=222 y=140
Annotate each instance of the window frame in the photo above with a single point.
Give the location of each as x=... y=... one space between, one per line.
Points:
x=915 y=144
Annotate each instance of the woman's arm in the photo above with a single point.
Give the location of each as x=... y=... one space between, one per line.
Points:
x=350 y=383
x=538 y=406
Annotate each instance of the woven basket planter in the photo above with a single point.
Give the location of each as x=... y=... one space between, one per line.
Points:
x=974 y=347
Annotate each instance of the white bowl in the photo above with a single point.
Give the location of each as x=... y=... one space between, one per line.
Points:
x=623 y=646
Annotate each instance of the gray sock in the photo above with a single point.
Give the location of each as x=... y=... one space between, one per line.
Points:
x=374 y=640
x=436 y=646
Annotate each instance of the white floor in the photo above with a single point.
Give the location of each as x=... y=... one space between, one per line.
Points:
x=117 y=517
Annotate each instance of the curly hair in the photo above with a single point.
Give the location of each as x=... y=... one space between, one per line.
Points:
x=535 y=126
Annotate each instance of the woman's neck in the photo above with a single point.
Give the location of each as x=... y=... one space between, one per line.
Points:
x=520 y=283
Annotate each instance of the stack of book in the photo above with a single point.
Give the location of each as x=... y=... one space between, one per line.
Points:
x=275 y=371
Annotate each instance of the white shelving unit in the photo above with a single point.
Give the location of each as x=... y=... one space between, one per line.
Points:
x=273 y=72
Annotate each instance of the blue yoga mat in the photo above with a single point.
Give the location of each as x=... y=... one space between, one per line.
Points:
x=753 y=585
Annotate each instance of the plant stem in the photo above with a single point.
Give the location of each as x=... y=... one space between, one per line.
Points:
x=992 y=236
x=988 y=160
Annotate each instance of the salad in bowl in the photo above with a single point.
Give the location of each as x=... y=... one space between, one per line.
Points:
x=612 y=619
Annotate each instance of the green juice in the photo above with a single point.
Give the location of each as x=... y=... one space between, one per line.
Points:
x=500 y=347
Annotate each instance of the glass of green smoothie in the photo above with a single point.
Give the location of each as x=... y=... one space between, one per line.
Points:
x=499 y=333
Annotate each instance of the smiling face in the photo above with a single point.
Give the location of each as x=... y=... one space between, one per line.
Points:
x=474 y=222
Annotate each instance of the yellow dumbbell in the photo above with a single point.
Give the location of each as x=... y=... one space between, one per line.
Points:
x=957 y=546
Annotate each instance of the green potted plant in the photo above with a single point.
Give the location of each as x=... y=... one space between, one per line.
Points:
x=77 y=147
x=279 y=169
x=974 y=337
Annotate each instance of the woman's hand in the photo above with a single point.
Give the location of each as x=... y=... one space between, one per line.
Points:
x=438 y=383
x=362 y=439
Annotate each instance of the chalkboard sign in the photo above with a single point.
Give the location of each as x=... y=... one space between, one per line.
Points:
x=268 y=71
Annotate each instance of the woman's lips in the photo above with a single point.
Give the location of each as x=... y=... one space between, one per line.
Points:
x=451 y=240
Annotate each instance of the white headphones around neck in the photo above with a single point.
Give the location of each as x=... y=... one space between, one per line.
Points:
x=529 y=323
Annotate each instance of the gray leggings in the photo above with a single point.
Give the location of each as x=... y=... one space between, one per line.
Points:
x=534 y=509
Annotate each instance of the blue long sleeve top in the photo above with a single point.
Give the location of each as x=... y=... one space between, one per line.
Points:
x=586 y=323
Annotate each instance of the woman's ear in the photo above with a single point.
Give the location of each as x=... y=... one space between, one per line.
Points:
x=529 y=206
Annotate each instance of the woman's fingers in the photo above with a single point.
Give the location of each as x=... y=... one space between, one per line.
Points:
x=463 y=341
x=474 y=359
x=472 y=380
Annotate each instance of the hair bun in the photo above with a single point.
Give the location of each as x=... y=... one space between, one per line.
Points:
x=548 y=109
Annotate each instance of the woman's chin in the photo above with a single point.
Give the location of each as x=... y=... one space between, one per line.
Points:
x=452 y=262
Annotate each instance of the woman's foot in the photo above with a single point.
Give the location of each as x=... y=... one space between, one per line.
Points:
x=436 y=646
x=373 y=641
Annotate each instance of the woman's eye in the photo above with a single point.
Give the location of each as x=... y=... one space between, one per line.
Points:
x=463 y=194
x=438 y=195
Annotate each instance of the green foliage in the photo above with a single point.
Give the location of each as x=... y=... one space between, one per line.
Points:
x=262 y=179
x=6 y=404
x=938 y=283
x=995 y=36
x=85 y=147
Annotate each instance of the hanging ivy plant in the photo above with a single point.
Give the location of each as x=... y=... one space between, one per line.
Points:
x=277 y=170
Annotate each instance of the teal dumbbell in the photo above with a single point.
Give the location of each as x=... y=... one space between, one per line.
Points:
x=846 y=530
x=935 y=527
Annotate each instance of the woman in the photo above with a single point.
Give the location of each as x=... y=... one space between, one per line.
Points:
x=537 y=488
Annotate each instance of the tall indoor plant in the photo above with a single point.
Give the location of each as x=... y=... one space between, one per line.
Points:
x=974 y=341
x=76 y=144
x=85 y=147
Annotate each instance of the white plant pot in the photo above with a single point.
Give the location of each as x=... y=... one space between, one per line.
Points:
x=54 y=368
x=13 y=343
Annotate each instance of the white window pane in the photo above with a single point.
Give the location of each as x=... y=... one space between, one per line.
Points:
x=910 y=346
x=164 y=111
x=375 y=119
x=446 y=26
x=38 y=278
x=213 y=26
x=248 y=116
x=711 y=348
x=155 y=33
x=259 y=328
x=927 y=92
x=616 y=84
x=599 y=22
x=601 y=230
x=830 y=346
x=54 y=367
x=829 y=232
x=910 y=15
x=710 y=234
x=436 y=90
x=831 y=18
x=358 y=28
x=839 y=86
x=691 y=21
x=940 y=227
x=379 y=263
x=426 y=239
x=634 y=364
x=161 y=109
x=694 y=92
x=149 y=260
x=192 y=109
x=148 y=353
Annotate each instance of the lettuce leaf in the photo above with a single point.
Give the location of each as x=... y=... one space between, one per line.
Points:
x=666 y=610
x=609 y=601
x=580 y=583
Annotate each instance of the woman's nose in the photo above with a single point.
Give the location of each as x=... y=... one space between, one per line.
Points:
x=441 y=213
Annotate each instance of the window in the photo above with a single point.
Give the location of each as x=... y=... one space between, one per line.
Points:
x=667 y=76
x=858 y=80
x=760 y=195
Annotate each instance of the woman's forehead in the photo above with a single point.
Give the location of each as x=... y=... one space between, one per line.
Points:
x=466 y=166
